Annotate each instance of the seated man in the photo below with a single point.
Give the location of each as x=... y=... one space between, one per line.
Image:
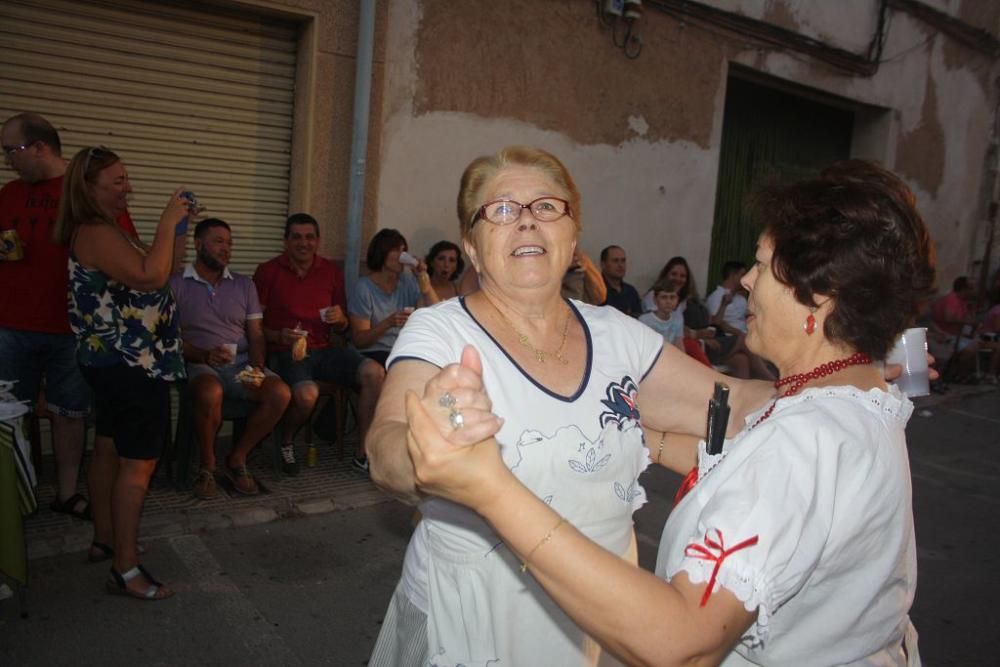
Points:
x=620 y=294
x=303 y=295
x=220 y=318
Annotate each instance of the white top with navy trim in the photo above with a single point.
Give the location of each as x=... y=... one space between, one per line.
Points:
x=582 y=454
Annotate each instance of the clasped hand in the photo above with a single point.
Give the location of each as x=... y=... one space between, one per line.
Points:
x=454 y=458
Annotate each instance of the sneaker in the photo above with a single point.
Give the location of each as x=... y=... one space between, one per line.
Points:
x=204 y=485
x=242 y=480
x=360 y=463
x=289 y=465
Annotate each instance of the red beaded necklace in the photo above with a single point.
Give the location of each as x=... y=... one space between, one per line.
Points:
x=799 y=380
x=796 y=381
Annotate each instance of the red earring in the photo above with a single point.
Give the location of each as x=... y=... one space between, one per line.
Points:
x=810 y=326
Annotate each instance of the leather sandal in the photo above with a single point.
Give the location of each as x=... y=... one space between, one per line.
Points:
x=117 y=585
x=69 y=506
x=243 y=482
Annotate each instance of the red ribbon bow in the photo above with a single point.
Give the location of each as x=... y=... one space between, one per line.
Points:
x=706 y=552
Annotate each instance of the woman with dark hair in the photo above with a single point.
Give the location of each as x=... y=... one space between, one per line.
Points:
x=697 y=332
x=677 y=270
x=128 y=347
x=383 y=300
x=794 y=544
x=445 y=266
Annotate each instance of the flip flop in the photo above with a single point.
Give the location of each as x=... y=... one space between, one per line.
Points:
x=69 y=505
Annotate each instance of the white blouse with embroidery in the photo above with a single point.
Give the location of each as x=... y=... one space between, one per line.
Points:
x=807 y=518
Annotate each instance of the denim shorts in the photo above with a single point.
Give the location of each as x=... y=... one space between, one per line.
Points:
x=27 y=356
x=132 y=409
x=338 y=365
x=232 y=388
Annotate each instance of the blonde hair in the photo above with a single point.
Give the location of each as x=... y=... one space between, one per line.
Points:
x=484 y=168
x=77 y=205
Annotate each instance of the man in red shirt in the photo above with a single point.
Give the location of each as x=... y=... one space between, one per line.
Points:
x=35 y=338
x=303 y=295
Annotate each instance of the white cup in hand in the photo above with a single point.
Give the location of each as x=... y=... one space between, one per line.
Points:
x=910 y=352
x=230 y=349
x=408 y=259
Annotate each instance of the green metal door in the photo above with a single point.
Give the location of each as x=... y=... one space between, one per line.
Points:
x=768 y=136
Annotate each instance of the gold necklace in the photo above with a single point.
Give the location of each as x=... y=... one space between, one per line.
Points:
x=540 y=355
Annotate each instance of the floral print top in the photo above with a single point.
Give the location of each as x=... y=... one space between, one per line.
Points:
x=114 y=323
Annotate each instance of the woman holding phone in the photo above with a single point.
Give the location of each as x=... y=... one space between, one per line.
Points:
x=128 y=346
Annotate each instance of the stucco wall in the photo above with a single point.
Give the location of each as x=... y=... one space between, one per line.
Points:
x=642 y=136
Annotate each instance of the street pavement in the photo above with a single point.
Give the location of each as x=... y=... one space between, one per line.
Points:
x=306 y=582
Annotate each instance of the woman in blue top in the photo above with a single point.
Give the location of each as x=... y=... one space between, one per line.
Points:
x=382 y=301
x=128 y=347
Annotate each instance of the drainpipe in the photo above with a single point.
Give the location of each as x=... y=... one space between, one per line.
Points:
x=359 y=140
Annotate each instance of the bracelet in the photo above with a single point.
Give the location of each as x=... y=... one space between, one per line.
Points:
x=548 y=536
x=659 y=452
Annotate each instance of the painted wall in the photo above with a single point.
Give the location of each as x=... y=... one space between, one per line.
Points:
x=641 y=136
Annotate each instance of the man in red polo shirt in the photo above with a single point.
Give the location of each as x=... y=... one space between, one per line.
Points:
x=303 y=296
x=35 y=339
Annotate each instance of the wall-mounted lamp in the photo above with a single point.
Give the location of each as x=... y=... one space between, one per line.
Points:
x=621 y=16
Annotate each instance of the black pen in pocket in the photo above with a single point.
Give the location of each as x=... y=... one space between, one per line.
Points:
x=718 y=418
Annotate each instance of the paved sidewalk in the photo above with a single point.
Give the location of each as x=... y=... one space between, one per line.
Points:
x=333 y=484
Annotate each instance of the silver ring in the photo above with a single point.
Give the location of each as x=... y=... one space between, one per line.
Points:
x=456 y=419
x=447 y=400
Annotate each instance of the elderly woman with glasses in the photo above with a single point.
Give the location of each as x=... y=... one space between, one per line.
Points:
x=564 y=380
x=128 y=347
x=792 y=543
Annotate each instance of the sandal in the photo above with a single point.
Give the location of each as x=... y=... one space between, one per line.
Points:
x=100 y=552
x=69 y=506
x=117 y=585
x=243 y=481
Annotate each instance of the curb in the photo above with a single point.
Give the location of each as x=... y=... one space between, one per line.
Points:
x=77 y=538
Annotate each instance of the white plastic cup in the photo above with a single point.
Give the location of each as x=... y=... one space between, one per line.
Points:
x=407 y=258
x=910 y=352
x=230 y=349
x=408 y=309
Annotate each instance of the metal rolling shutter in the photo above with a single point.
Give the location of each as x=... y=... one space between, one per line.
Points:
x=200 y=97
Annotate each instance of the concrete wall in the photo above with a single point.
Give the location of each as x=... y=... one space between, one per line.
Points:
x=642 y=136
